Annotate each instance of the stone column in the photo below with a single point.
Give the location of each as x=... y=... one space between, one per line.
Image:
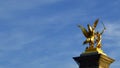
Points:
x=93 y=60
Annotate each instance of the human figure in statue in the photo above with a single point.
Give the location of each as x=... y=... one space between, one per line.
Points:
x=98 y=38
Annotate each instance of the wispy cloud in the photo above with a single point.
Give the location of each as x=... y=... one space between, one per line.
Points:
x=9 y=8
x=112 y=33
x=24 y=4
x=15 y=40
x=113 y=28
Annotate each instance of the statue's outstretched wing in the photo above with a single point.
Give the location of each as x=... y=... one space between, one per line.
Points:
x=89 y=28
x=84 y=31
x=95 y=23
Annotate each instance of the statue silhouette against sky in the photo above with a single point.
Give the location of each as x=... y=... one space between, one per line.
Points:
x=92 y=37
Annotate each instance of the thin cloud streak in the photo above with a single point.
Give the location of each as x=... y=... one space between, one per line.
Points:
x=24 y=4
x=8 y=9
x=16 y=40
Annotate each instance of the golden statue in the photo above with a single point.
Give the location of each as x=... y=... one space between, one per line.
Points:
x=92 y=37
x=98 y=37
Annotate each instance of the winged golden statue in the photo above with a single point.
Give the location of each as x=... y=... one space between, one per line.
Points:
x=89 y=33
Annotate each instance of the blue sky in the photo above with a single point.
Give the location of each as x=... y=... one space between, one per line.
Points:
x=44 y=33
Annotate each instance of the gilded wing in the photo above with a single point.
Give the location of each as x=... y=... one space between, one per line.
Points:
x=89 y=28
x=95 y=23
x=85 y=32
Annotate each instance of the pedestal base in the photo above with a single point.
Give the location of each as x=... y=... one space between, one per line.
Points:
x=93 y=60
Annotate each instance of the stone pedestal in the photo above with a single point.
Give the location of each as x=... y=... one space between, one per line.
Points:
x=93 y=60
